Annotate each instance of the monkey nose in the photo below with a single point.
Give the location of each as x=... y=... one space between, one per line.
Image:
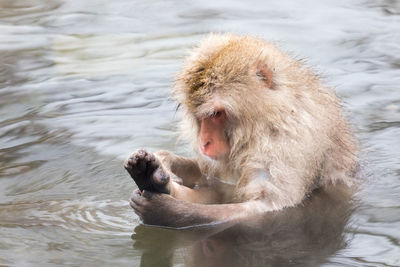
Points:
x=204 y=144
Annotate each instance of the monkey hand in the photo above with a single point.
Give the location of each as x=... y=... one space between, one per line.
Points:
x=147 y=172
x=165 y=210
x=154 y=208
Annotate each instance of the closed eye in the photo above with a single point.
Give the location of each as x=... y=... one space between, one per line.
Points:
x=217 y=114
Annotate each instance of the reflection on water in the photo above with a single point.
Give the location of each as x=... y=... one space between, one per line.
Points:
x=84 y=83
x=306 y=235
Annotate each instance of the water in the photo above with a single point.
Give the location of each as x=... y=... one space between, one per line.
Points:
x=84 y=83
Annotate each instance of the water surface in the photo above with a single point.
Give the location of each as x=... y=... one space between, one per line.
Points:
x=84 y=83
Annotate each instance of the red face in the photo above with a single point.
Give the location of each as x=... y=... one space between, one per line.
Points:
x=212 y=138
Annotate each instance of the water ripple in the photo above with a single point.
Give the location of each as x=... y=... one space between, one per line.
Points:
x=83 y=215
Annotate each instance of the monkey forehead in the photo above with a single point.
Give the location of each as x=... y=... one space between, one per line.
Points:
x=229 y=63
x=218 y=65
x=216 y=103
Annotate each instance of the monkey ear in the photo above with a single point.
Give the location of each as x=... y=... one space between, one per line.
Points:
x=264 y=73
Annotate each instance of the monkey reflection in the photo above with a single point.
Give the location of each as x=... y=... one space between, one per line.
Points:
x=301 y=236
x=257 y=118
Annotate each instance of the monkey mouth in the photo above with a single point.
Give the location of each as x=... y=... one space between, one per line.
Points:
x=210 y=150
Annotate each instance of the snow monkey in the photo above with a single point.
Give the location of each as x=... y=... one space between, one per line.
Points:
x=266 y=133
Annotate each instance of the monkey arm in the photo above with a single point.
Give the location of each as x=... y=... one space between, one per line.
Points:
x=165 y=210
x=211 y=192
x=182 y=170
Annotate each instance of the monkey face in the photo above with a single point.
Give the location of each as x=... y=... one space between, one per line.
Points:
x=212 y=139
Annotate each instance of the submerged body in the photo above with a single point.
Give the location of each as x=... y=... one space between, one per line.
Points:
x=257 y=118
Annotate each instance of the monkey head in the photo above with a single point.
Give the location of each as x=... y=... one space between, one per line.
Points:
x=219 y=90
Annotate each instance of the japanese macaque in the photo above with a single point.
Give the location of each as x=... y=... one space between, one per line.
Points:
x=265 y=130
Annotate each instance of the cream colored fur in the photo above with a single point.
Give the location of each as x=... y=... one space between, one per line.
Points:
x=285 y=140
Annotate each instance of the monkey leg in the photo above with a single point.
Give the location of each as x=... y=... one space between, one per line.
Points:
x=147 y=172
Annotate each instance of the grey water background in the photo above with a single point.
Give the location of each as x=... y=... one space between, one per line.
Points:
x=84 y=83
